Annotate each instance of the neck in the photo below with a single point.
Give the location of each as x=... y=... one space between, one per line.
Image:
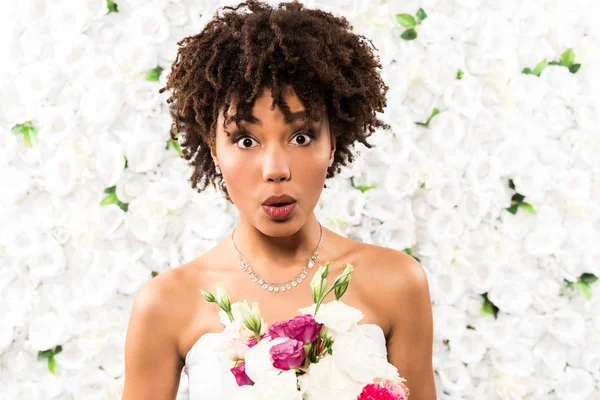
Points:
x=278 y=249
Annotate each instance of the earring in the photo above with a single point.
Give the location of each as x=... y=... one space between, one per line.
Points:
x=218 y=169
x=330 y=162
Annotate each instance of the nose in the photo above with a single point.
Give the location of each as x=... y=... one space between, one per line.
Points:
x=276 y=166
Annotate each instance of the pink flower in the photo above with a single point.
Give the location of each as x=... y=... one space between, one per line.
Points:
x=303 y=328
x=239 y=372
x=287 y=355
x=252 y=341
x=384 y=390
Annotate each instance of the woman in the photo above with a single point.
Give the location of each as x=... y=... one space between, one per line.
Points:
x=268 y=105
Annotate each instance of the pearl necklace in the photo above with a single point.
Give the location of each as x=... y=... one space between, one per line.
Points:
x=278 y=286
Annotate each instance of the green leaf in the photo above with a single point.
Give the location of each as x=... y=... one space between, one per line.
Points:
x=52 y=364
x=513 y=209
x=527 y=71
x=154 y=274
x=433 y=114
x=407 y=251
x=43 y=354
x=409 y=34
x=421 y=15
x=112 y=6
x=540 y=67
x=488 y=308
x=527 y=207
x=28 y=131
x=517 y=197
x=175 y=145
x=554 y=63
x=568 y=284
x=154 y=74
x=459 y=74
x=574 y=68
x=125 y=162
x=110 y=199
x=584 y=289
x=588 y=278
x=511 y=184
x=364 y=188
x=567 y=58
x=110 y=190
x=406 y=20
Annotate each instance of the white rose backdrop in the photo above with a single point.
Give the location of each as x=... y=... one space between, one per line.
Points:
x=491 y=178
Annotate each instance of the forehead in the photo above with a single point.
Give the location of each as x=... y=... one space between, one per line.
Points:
x=262 y=112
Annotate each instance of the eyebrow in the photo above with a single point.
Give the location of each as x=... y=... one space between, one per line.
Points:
x=299 y=115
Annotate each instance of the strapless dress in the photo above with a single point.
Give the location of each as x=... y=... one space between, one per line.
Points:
x=208 y=381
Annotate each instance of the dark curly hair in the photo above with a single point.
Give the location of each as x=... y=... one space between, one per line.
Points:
x=330 y=68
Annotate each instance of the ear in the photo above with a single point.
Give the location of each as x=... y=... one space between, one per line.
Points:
x=332 y=146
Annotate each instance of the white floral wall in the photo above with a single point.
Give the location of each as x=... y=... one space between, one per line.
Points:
x=492 y=181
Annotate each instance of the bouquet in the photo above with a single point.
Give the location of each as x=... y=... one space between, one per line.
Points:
x=320 y=354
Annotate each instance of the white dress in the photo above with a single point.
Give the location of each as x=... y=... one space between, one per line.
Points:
x=207 y=380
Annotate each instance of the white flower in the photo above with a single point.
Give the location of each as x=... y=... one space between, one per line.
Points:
x=47 y=261
x=149 y=25
x=567 y=326
x=361 y=358
x=46 y=331
x=447 y=130
x=337 y=316
x=463 y=96
x=325 y=381
x=109 y=162
x=575 y=383
x=144 y=154
x=282 y=386
x=436 y=28
x=100 y=106
x=147 y=218
x=259 y=366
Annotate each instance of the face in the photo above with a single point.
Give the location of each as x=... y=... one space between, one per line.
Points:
x=273 y=158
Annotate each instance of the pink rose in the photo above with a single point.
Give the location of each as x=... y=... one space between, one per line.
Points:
x=303 y=328
x=239 y=372
x=384 y=390
x=287 y=355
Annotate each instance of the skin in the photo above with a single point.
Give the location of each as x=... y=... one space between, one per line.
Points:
x=169 y=314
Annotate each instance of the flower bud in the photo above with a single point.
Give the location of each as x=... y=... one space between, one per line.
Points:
x=342 y=281
x=318 y=283
x=208 y=296
x=223 y=297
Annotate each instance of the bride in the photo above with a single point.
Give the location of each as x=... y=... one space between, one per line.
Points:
x=309 y=89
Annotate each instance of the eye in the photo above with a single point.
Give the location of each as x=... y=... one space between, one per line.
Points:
x=308 y=133
x=246 y=142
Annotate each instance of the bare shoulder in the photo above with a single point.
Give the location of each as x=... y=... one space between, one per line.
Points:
x=152 y=357
x=396 y=279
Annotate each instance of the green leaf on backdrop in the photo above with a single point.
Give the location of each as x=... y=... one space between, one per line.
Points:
x=540 y=67
x=435 y=112
x=154 y=74
x=421 y=15
x=409 y=34
x=27 y=129
x=588 y=278
x=459 y=74
x=567 y=58
x=406 y=20
x=112 y=6
x=112 y=199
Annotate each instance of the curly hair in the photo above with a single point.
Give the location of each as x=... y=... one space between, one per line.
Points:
x=237 y=54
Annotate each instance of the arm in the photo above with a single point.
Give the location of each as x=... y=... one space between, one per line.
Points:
x=152 y=362
x=410 y=346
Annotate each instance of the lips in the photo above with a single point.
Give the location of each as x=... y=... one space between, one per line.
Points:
x=279 y=200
